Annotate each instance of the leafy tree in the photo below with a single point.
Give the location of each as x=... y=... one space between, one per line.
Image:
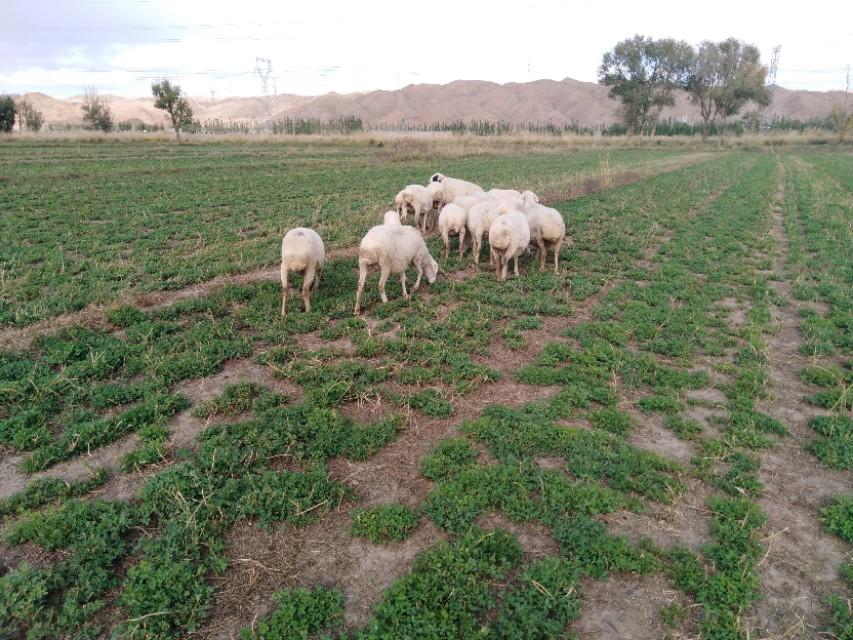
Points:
x=30 y=118
x=643 y=73
x=170 y=99
x=96 y=112
x=723 y=77
x=7 y=114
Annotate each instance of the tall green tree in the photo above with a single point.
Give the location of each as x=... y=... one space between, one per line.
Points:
x=96 y=111
x=169 y=98
x=7 y=114
x=723 y=77
x=643 y=74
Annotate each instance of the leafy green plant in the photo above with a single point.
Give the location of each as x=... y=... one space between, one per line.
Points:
x=432 y=402
x=447 y=591
x=448 y=458
x=388 y=523
x=298 y=614
x=837 y=517
x=45 y=491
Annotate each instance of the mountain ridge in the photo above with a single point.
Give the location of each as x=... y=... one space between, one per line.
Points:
x=545 y=101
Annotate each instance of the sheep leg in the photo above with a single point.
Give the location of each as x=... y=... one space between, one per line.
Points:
x=383 y=278
x=403 y=283
x=504 y=265
x=418 y=279
x=557 y=246
x=306 y=287
x=476 y=245
x=516 y=265
x=461 y=242
x=543 y=253
x=284 y=286
x=446 y=237
x=362 y=278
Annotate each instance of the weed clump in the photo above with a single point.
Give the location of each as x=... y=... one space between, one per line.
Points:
x=299 y=613
x=388 y=523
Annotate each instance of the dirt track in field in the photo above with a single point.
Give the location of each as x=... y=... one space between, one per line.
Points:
x=802 y=561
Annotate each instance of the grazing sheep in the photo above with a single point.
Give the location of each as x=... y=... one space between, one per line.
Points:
x=452 y=221
x=438 y=201
x=547 y=228
x=509 y=236
x=302 y=250
x=480 y=219
x=393 y=248
x=503 y=194
x=529 y=198
x=453 y=187
x=391 y=217
x=416 y=198
x=466 y=202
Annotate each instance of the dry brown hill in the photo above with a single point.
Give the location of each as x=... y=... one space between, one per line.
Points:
x=552 y=101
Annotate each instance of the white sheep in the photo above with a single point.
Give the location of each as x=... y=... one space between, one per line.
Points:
x=509 y=236
x=480 y=219
x=393 y=248
x=547 y=228
x=391 y=217
x=466 y=202
x=416 y=198
x=452 y=222
x=453 y=187
x=302 y=250
x=436 y=189
x=503 y=194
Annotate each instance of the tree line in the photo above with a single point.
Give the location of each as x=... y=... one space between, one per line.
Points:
x=719 y=77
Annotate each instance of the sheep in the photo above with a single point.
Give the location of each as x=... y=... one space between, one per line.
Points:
x=466 y=202
x=480 y=219
x=302 y=250
x=503 y=194
x=529 y=198
x=436 y=189
x=547 y=228
x=416 y=197
x=452 y=221
x=393 y=248
x=391 y=217
x=509 y=236
x=454 y=187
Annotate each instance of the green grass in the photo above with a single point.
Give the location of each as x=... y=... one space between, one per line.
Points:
x=86 y=222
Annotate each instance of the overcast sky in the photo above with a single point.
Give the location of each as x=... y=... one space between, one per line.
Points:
x=119 y=46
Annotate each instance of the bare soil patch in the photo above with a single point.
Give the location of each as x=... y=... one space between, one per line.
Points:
x=626 y=607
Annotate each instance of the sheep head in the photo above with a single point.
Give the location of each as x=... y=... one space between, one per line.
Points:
x=430 y=267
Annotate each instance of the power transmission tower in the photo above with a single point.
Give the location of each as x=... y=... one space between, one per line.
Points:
x=774 y=64
x=263 y=69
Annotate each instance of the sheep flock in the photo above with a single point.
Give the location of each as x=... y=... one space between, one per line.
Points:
x=513 y=222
